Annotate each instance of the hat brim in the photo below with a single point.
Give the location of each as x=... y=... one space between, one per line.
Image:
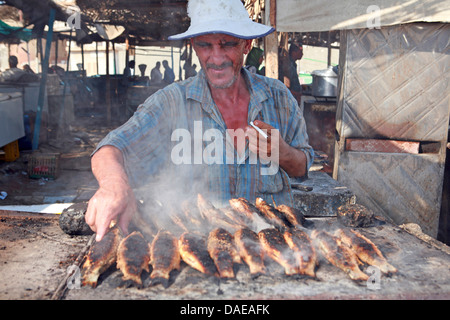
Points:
x=238 y=29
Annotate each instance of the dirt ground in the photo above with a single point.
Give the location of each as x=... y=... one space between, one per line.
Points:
x=34 y=252
x=34 y=255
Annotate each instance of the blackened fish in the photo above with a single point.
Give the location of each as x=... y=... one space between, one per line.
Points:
x=250 y=250
x=251 y=212
x=215 y=217
x=133 y=256
x=272 y=215
x=165 y=257
x=100 y=257
x=293 y=215
x=179 y=220
x=223 y=252
x=238 y=218
x=365 y=249
x=338 y=254
x=301 y=244
x=276 y=248
x=193 y=216
x=193 y=251
x=244 y=207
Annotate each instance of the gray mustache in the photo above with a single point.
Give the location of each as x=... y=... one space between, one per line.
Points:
x=219 y=67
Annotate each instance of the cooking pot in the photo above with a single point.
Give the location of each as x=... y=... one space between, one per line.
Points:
x=325 y=82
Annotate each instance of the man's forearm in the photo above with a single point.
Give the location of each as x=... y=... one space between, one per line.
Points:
x=108 y=166
x=114 y=200
x=293 y=161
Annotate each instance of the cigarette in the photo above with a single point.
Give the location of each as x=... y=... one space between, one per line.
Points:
x=258 y=129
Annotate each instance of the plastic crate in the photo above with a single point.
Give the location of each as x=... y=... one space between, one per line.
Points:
x=11 y=151
x=43 y=165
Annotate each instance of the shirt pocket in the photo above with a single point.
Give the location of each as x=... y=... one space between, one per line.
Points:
x=269 y=183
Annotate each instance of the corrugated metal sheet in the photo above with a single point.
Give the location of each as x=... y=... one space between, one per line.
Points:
x=394 y=84
x=324 y=15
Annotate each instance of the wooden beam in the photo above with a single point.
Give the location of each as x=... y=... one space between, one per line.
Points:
x=271 y=42
x=283 y=58
x=273 y=13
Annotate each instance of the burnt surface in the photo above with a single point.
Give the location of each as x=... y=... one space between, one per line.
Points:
x=356 y=215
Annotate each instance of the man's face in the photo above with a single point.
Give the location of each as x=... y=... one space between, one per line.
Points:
x=298 y=53
x=221 y=57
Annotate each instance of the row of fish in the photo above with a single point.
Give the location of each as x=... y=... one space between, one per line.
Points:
x=202 y=216
x=213 y=255
x=234 y=241
x=347 y=249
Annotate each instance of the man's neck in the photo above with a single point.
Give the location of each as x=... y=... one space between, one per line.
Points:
x=233 y=103
x=231 y=94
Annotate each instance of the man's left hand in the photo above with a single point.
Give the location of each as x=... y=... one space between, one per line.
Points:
x=292 y=160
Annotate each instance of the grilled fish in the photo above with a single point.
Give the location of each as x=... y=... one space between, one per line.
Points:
x=301 y=244
x=272 y=215
x=133 y=256
x=101 y=256
x=223 y=252
x=192 y=215
x=165 y=257
x=293 y=215
x=215 y=217
x=179 y=221
x=250 y=250
x=276 y=248
x=338 y=255
x=253 y=214
x=365 y=249
x=235 y=216
x=244 y=207
x=193 y=251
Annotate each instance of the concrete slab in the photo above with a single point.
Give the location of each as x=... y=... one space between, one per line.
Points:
x=324 y=197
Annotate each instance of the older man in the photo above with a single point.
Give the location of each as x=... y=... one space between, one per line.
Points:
x=194 y=136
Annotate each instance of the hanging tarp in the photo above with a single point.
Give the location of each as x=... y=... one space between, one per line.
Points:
x=324 y=15
x=7 y=31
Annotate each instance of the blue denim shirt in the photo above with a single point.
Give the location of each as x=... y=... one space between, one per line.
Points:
x=155 y=143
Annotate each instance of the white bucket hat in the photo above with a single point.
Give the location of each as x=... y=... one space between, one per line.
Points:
x=221 y=16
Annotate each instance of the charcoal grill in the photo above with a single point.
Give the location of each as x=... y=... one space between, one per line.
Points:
x=423 y=274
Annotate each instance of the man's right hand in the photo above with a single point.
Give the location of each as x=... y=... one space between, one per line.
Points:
x=115 y=203
x=114 y=200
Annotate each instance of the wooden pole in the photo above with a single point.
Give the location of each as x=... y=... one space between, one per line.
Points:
x=283 y=59
x=271 y=42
